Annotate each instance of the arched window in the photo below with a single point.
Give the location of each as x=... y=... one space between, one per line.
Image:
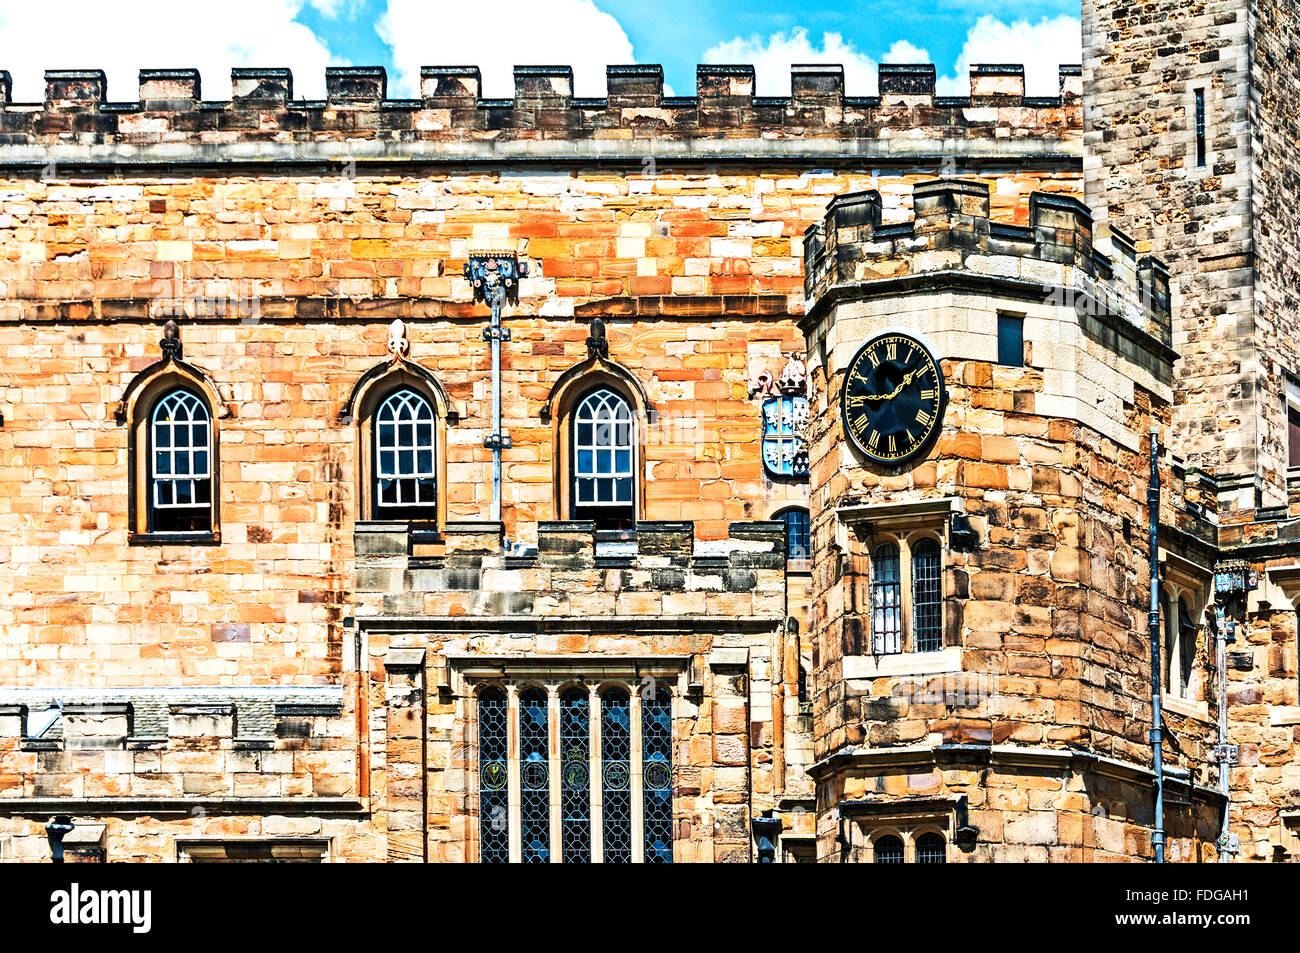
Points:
x=575 y=776
x=888 y=849
x=535 y=776
x=179 y=496
x=657 y=775
x=603 y=460
x=493 y=778
x=886 y=601
x=404 y=466
x=616 y=775
x=931 y=848
x=798 y=538
x=927 y=597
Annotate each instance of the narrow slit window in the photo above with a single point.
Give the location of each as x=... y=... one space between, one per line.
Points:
x=1011 y=340
x=1200 y=128
x=798 y=539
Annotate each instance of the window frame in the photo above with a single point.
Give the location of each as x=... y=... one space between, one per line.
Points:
x=369 y=397
x=556 y=688
x=409 y=512
x=782 y=514
x=1290 y=410
x=905 y=543
x=153 y=506
x=140 y=453
x=620 y=515
x=1005 y=321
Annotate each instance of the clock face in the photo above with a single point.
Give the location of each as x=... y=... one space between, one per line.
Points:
x=893 y=398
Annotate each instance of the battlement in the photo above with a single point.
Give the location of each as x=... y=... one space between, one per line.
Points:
x=573 y=569
x=451 y=108
x=951 y=232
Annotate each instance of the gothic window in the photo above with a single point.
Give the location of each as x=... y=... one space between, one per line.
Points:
x=180 y=494
x=1180 y=647
x=657 y=775
x=493 y=777
x=534 y=776
x=575 y=776
x=798 y=539
x=888 y=849
x=604 y=460
x=931 y=849
x=404 y=450
x=604 y=793
x=927 y=597
x=886 y=601
x=616 y=775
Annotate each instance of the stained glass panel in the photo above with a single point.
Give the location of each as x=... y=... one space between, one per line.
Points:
x=493 y=774
x=534 y=776
x=616 y=776
x=657 y=775
x=575 y=777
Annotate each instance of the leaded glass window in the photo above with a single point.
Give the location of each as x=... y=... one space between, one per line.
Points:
x=657 y=775
x=889 y=849
x=886 y=601
x=927 y=597
x=575 y=776
x=616 y=775
x=568 y=774
x=180 y=498
x=535 y=776
x=604 y=454
x=493 y=778
x=405 y=475
x=798 y=538
x=931 y=849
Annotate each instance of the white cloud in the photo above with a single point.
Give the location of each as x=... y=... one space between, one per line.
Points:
x=1042 y=47
x=499 y=37
x=904 y=52
x=773 y=56
x=123 y=37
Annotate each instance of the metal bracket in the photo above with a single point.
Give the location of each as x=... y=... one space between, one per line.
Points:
x=1229 y=843
x=1229 y=753
x=501 y=333
x=493 y=441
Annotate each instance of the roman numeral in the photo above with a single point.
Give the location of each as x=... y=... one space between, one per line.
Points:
x=891 y=350
x=892 y=447
x=859 y=422
x=874 y=441
x=875 y=361
x=929 y=393
x=923 y=418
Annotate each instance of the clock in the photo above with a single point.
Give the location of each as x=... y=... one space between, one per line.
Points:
x=893 y=398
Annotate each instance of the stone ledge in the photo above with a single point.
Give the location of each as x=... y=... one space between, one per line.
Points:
x=903 y=664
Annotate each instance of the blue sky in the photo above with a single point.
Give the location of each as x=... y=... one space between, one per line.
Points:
x=307 y=35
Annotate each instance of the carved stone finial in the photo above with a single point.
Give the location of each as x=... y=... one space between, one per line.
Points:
x=399 y=346
x=171 y=341
x=597 y=343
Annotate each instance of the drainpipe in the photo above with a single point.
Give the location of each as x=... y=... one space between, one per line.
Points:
x=1153 y=629
x=1224 y=753
x=494 y=277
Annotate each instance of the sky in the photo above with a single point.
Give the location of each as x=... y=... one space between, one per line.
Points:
x=123 y=36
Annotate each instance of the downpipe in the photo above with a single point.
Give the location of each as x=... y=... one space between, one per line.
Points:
x=1153 y=631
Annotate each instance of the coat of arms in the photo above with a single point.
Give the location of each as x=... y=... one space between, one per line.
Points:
x=785 y=419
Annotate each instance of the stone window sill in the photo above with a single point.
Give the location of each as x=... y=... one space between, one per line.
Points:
x=173 y=539
x=1188 y=709
x=863 y=667
x=1288 y=715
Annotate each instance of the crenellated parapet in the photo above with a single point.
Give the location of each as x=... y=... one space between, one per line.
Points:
x=658 y=568
x=169 y=109
x=1056 y=256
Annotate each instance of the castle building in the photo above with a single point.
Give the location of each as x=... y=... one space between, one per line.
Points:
x=657 y=479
